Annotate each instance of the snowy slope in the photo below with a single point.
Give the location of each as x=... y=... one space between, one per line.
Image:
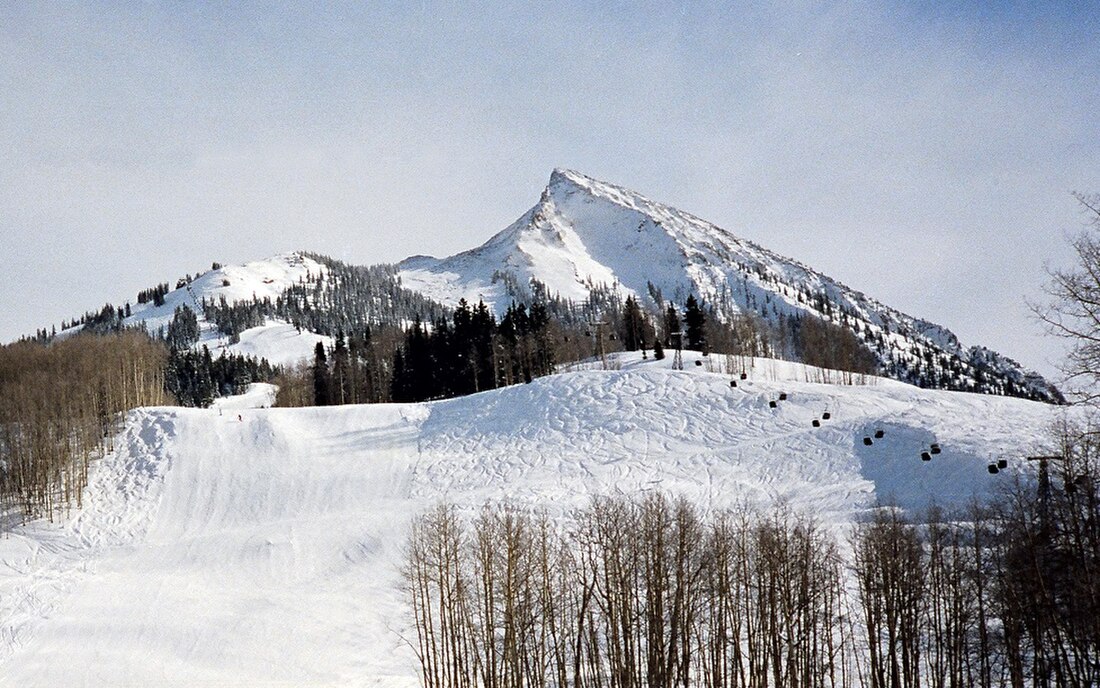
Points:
x=278 y=342
x=212 y=551
x=584 y=233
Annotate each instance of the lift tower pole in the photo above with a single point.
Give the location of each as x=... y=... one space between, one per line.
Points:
x=595 y=327
x=677 y=340
x=1044 y=489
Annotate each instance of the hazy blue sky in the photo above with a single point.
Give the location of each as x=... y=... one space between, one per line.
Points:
x=922 y=155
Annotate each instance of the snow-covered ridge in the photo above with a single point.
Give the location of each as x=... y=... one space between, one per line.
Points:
x=585 y=233
x=258 y=279
x=278 y=342
x=236 y=546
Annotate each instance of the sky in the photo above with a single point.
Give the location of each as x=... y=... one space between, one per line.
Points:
x=920 y=153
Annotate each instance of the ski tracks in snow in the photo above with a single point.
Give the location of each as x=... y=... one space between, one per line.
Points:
x=271 y=550
x=43 y=562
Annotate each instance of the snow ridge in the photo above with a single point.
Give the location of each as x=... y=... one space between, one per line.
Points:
x=277 y=341
x=585 y=233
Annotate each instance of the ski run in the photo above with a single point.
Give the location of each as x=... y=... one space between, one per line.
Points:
x=246 y=545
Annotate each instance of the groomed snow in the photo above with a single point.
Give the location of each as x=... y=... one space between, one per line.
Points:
x=266 y=550
x=259 y=395
x=278 y=342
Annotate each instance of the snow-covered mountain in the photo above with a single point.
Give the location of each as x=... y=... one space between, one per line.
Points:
x=277 y=341
x=264 y=546
x=584 y=233
x=582 y=236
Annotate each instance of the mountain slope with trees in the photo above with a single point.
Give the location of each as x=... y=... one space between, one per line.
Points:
x=603 y=263
x=585 y=234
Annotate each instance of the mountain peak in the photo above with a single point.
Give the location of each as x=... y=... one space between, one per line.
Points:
x=586 y=234
x=561 y=175
x=564 y=182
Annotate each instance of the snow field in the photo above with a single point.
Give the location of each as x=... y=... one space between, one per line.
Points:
x=267 y=551
x=279 y=342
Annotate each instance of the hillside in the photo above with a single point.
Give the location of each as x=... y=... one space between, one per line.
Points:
x=258 y=281
x=581 y=250
x=266 y=550
x=586 y=234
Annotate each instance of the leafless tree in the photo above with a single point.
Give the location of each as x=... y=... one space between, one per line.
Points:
x=59 y=406
x=1073 y=312
x=888 y=566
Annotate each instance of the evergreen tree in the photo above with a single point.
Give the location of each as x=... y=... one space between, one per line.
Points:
x=658 y=349
x=672 y=324
x=370 y=367
x=183 y=329
x=400 y=389
x=322 y=378
x=465 y=350
x=341 y=372
x=514 y=329
x=543 y=359
x=419 y=366
x=633 y=325
x=695 y=320
x=444 y=357
x=484 y=338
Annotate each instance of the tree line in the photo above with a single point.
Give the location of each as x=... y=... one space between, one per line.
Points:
x=196 y=378
x=59 y=407
x=820 y=330
x=656 y=592
x=193 y=376
x=61 y=402
x=338 y=298
x=471 y=352
x=638 y=592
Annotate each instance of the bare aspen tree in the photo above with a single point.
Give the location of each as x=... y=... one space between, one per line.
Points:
x=954 y=607
x=647 y=592
x=60 y=405
x=1074 y=310
x=888 y=559
x=439 y=597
